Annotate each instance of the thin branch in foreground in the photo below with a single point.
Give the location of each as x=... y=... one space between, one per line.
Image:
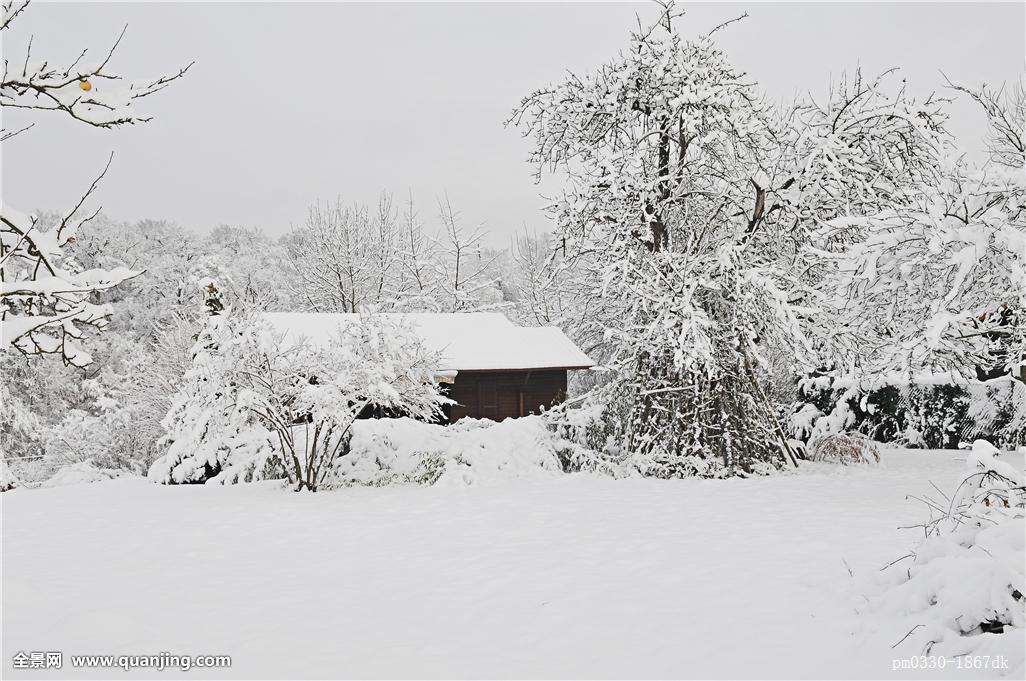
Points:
x=906 y=635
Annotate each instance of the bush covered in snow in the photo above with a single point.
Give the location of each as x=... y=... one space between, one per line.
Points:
x=844 y=449
x=586 y=442
x=967 y=577
x=258 y=403
x=8 y=480
x=930 y=411
x=81 y=472
x=997 y=412
x=470 y=451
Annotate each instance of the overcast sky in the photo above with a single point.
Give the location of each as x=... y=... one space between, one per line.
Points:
x=290 y=103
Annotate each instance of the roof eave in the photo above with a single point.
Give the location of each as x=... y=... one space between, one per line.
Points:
x=546 y=368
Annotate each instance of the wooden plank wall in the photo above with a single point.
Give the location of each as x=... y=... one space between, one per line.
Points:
x=498 y=395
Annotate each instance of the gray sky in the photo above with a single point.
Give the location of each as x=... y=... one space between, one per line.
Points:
x=290 y=103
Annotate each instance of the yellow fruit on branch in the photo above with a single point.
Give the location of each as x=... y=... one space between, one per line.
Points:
x=85 y=85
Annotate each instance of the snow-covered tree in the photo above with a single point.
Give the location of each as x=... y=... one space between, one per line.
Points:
x=933 y=285
x=257 y=403
x=531 y=277
x=208 y=435
x=663 y=151
x=713 y=225
x=348 y=256
x=45 y=296
x=927 y=288
x=658 y=148
x=464 y=271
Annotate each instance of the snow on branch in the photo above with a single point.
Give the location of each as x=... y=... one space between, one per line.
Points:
x=1005 y=109
x=10 y=10
x=86 y=90
x=46 y=297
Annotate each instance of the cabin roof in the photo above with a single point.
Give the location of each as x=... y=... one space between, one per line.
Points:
x=466 y=341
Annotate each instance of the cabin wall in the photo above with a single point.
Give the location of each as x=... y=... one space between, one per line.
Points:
x=498 y=395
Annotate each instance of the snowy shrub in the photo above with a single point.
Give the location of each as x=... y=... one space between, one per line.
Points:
x=926 y=411
x=256 y=403
x=934 y=416
x=802 y=420
x=22 y=427
x=470 y=451
x=997 y=412
x=821 y=408
x=80 y=473
x=799 y=448
x=846 y=449
x=967 y=577
x=79 y=436
x=8 y=480
x=587 y=439
x=134 y=394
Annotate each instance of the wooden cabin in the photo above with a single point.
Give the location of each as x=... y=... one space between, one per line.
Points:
x=491 y=367
x=497 y=395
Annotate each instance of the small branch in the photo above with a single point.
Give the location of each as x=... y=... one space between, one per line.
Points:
x=726 y=23
x=906 y=635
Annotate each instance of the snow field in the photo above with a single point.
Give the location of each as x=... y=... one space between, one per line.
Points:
x=570 y=576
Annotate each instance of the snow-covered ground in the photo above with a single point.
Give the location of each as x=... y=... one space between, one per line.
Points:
x=573 y=576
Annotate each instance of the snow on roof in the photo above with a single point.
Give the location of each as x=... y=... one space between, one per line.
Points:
x=467 y=341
